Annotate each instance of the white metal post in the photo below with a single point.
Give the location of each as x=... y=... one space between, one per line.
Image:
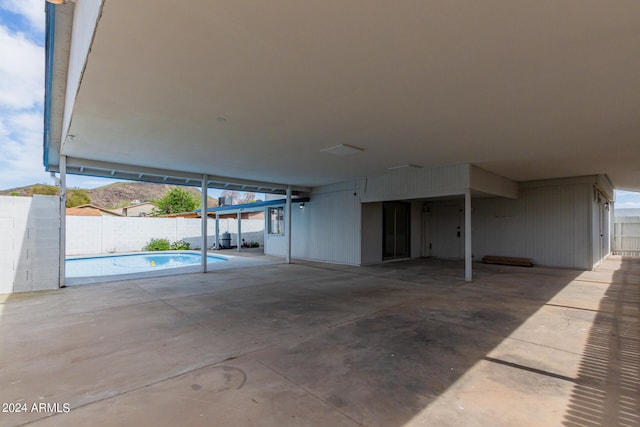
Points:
x=63 y=221
x=612 y=227
x=204 y=216
x=239 y=230
x=288 y=226
x=468 y=273
x=217 y=231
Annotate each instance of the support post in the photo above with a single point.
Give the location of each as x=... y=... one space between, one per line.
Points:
x=204 y=216
x=217 y=231
x=612 y=227
x=468 y=272
x=63 y=221
x=239 y=230
x=288 y=225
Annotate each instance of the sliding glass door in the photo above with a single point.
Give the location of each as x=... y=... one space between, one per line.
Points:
x=395 y=233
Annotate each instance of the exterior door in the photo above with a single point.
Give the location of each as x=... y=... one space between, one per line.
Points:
x=426 y=234
x=395 y=230
x=603 y=216
x=447 y=234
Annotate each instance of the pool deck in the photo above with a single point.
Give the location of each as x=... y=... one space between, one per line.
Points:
x=307 y=344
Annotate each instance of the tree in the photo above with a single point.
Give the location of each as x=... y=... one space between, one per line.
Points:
x=237 y=199
x=175 y=200
x=77 y=197
x=247 y=198
x=233 y=195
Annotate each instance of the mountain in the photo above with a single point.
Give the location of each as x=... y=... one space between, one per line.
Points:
x=116 y=195
x=122 y=194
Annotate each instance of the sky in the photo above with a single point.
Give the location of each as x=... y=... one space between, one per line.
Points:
x=22 y=28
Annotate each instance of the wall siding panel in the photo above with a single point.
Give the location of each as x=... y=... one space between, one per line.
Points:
x=328 y=228
x=416 y=183
x=552 y=222
x=549 y=224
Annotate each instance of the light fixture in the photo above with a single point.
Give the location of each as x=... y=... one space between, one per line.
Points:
x=342 y=150
x=55 y=1
x=301 y=206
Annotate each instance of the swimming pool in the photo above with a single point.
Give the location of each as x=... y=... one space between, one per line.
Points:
x=133 y=263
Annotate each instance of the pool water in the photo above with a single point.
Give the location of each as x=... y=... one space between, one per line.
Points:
x=133 y=263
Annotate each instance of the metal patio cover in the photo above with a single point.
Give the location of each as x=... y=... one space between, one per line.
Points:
x=253 y=91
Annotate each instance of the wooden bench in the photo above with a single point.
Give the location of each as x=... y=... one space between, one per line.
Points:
x=503 y=260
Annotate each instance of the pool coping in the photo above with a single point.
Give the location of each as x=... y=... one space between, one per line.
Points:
x=118 y=254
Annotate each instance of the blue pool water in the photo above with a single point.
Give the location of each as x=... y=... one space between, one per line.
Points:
x=134 y=263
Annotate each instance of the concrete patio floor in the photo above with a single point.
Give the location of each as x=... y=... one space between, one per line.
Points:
x=399 y=344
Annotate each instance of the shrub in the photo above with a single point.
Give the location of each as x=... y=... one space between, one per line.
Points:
x=77 y=197
x=47 y=190
x=157 y=245
x=180 y=245
x=254 y=245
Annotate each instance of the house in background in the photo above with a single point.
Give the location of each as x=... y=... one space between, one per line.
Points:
x=138 y=209
x=90 y=210
x=415 y=129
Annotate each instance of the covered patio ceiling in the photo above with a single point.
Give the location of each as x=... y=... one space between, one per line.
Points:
x=252 y=92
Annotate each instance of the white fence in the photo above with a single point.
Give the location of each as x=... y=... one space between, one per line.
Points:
x=626 y=237
x=99 y=235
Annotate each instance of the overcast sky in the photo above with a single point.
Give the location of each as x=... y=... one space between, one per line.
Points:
x=22 y=102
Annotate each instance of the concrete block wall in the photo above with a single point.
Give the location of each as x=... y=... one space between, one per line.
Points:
x=100 y=235
x=29 y=255
x=252 y=231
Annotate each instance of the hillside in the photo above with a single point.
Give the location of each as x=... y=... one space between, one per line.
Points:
x=123 y=193
x=120 y=194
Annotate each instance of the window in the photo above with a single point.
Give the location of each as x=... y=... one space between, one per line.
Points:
x=276 y=220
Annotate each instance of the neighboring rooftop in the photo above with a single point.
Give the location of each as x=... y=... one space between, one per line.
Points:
x=254 y=205
x=90 y=210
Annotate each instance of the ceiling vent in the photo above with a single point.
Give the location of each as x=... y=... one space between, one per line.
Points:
x=342 y=150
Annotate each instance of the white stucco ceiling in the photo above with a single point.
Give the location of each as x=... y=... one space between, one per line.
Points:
x=525 y=89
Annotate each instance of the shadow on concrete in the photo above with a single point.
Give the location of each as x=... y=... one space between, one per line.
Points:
x=389 y=367
x=607 y=390
x=399 y=344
